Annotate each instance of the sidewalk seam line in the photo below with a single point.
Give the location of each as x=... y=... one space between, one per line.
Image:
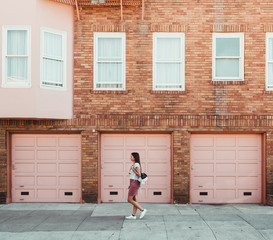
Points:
x=251 y=226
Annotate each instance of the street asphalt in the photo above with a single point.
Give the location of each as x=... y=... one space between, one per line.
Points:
x=54 y=221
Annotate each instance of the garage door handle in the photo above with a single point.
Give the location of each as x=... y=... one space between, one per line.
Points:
x=191 y=167
x=13 y=167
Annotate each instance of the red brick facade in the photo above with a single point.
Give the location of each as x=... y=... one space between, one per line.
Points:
x=204 y=106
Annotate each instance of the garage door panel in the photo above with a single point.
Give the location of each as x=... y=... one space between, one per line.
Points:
x=235 y=169
x=114 y=167
x=158 y=155
x=202 y=155
x=46 y=141
x=156 y=141
x=249 y=155
x=69 y=155
x=21 y=155
x=203 y=195
x=68 y=181
x=142 y=195
x=113 y=180
x=202 y=141
x=249 y=195
x=155 y=161
x=24 y=142
x=225 y=141
x=47 y=194
x=26 y=193
x=225 y=195
x=200 y=168
x=113 y=141
x=47 y=155
x=114 y=194
x=248 y=141
x=225 y=168
x=158 y=194
x=49 y=181
x=248 y=181
x=135 y=141
x=200 y=182
x=25 y=168
x=225 y=182
x=69 y=195
x=225 y=155
x=113 y=154
x=157 y=180
x=249 y=169
x=45 y=167
x=153 y=168
x=69 y=168
x=69 y=141
x=26 y=181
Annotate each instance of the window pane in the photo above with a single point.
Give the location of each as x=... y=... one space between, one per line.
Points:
x=168 y=49
x=53 y=45
x=168 y=74
x=227 y=67
x=52 y=71
x=16 y=42
x=270 y=75
x=109 y=49
x=270 y=49
x=109 y=72
x=16 y=69
x=227 y=47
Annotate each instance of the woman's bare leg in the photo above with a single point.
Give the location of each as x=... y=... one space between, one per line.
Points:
x=134 y=203
x=134 y=208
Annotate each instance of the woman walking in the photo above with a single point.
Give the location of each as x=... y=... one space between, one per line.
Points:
x=135 y=173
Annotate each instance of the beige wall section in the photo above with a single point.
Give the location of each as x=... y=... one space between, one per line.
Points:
x=37 y=102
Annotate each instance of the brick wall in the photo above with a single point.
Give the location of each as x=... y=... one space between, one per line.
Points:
x=198 y=20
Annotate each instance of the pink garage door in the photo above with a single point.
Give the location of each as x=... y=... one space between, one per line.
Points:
x=46 y=168
x=226 y=168
x=155 y=158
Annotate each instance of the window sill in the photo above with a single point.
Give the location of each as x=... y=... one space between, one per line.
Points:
x=268 y=92
x=167 y=92
x=110 y=91
x=221 y=83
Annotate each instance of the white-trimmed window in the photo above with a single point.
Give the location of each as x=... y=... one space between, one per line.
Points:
x=228 y=57
x=169 y=61
x=269 y=61
x=109 y=61
x=16 y=56
x=53 y=58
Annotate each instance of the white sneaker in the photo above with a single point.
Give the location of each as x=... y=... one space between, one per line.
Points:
x=143 y=213
x=131 y=217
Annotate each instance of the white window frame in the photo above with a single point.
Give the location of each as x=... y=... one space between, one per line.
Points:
x=5 y=84
x=268 y=87
x=157 y=35
x=64 y=59
x=120 y=35
x=241 y=57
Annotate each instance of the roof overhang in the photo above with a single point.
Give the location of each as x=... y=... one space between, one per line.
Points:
x=100 y=2
x=121 y=3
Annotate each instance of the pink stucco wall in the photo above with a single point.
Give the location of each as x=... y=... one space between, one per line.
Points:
x=37 y=102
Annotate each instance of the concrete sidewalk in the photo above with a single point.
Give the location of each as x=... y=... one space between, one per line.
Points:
x=38 y=221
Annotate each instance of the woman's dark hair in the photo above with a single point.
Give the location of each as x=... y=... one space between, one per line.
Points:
x=136 y=157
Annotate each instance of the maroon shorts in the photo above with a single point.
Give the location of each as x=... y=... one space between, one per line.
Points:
x=134 y=186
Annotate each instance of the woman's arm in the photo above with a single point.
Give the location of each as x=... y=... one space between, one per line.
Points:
x=136 y=171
